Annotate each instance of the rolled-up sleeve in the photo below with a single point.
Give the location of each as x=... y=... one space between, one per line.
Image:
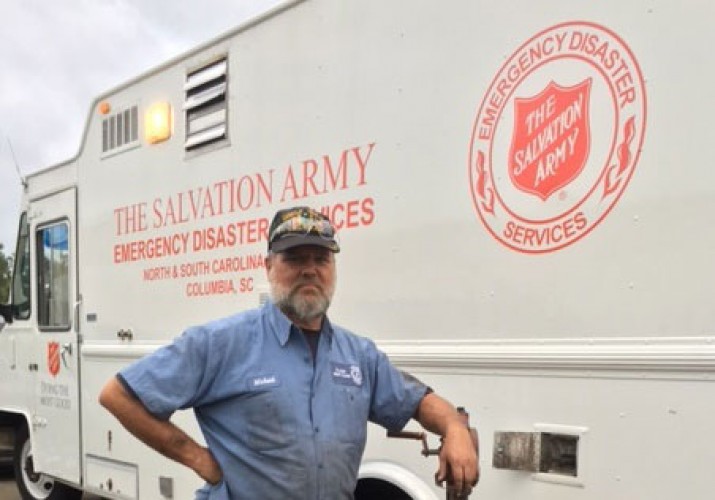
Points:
x=395 y=397
x=171 y=378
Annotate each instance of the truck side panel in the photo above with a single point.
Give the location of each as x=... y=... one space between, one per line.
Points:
x=523 y=210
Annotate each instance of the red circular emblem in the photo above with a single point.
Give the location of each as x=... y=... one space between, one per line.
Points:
x=557 y=137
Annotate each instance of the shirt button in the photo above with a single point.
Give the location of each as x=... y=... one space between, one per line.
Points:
x=317 y=429
x=320 y=466
x=306 y=359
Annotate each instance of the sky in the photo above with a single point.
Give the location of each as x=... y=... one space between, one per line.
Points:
x=57 y=56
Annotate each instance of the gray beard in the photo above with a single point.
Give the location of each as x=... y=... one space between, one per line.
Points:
x=298 y=307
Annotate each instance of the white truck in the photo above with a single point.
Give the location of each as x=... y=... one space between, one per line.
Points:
x=525 y=215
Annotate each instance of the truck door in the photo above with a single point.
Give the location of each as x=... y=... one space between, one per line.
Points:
x=56 y=437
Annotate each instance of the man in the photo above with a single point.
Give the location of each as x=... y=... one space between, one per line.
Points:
x=281 y=394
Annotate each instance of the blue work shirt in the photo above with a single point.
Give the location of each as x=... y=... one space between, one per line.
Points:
x=280 y=426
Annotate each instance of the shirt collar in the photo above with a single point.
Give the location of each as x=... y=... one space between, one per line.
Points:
x=283 y=327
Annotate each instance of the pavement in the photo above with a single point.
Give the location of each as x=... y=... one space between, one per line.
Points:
x=8 y=490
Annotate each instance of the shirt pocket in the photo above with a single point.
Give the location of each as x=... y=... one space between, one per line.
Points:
x=351 y=407
x=268 y=420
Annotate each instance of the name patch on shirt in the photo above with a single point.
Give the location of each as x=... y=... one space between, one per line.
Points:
x=347 y=374
x=264 y=382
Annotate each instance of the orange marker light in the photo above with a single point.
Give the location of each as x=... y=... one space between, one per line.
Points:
x=104 y=108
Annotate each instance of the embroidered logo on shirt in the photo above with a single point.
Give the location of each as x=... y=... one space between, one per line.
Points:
x=264 y=381
x=347 y=374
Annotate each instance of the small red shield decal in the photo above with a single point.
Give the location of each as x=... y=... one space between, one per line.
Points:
x=551 y=138
x=53 y=358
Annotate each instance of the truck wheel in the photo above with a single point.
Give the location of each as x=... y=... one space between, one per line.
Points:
x=34 y=485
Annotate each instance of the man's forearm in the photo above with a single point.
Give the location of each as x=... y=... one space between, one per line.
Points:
x=162 y=436
x=436 y=414
x=458 y=461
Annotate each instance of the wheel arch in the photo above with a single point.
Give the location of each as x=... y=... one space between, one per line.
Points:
x=12 y=418
x=393 y=475
x=10 y=421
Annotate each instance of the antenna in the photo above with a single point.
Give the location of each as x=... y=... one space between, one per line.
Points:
x=17 y=167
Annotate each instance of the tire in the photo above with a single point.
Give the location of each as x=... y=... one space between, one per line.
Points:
x=33 y=485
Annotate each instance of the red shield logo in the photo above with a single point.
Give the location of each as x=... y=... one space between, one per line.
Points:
x=551 y=138
x=53 y=358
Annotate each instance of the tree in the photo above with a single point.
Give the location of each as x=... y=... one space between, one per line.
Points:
x=5 y=273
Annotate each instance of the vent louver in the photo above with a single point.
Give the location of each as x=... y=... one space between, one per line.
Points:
x=206 y=105
x=120 y=130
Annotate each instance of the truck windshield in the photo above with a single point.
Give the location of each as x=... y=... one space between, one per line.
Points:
x=21 y=273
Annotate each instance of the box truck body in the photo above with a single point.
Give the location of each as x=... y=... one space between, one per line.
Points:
x=525 y=208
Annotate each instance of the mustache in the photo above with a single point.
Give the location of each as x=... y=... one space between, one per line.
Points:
x=304 y=282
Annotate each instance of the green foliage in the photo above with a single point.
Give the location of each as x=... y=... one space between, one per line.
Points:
x=5 y=273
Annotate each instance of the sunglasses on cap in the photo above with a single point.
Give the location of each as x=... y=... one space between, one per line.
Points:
x=301 y=226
